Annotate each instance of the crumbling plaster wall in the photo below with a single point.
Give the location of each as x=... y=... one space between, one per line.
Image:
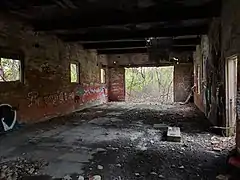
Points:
x=209 y=92
x=183 y=81
x=46 y=90
x=231 y=45
x=116 y=84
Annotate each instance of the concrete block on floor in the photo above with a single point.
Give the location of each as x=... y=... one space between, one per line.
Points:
x=174 y=134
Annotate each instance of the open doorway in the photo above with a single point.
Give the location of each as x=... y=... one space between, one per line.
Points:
x=149 y=84
x=231 y=94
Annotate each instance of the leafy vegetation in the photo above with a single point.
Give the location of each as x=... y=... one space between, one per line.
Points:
x=74 y=72
x=10 y=70
x=149 y=83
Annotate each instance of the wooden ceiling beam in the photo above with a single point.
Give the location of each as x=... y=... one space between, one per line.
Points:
x=143 y=50
x=143 y=43
x=117 y=35
x=112 y=17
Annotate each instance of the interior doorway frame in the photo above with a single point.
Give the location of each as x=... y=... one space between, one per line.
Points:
x=231 y=94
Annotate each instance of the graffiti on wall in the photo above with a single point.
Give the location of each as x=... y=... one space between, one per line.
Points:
x=80 y=94
x=8 y=117
x=50 y=99
x=90 y=93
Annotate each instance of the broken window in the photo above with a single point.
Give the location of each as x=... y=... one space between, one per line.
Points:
x=10 y=70
x=74 y=68
x=103 y=76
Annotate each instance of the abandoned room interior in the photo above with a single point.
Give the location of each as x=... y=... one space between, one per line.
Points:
x=119 y=90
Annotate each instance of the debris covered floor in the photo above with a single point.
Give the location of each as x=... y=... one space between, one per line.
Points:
x=116 y=141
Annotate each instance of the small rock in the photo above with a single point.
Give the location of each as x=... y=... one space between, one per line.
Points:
x=137 y=174
x=222 y=177
x=100 y=167
x=181 y=167
x=80 y=178
x=217 y=149
x=173 y=166
x=118 y=165
x=185 y=145
x=67 y=177
x=31 y=171
x=214 y=142
x=101 y=150
x=153 y=173
x=96 y=177
x=161 y=176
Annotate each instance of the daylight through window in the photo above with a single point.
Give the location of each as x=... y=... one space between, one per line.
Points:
x=10 y=70
x=103 y=76
x=74 y=73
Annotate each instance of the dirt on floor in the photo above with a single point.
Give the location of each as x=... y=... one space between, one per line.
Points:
x=116 y=141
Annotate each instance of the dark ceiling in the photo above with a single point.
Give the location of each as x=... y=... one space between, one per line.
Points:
x=127 y=23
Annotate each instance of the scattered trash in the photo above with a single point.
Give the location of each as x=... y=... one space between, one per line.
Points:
x=137 y=174
x=161 y=176
x=100 y=167
x=67 y=177
x=101 y=150
x=95 y=177
x=181 y=167
x=153 y=173
x=31 y=171
x=80 y=178
x=217 y=149
x=222 y=177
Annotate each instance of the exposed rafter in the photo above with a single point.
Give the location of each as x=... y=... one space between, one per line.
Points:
x=143 y=50
x=116 y=35
x=113 y=17
x=129 y=43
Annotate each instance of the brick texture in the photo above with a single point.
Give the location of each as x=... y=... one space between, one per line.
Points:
x=183 y=74
x=46 y=90
x=116 y=84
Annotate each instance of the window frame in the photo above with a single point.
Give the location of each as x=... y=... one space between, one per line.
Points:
x=103 y=81
x=21 y=69
x=77 y=72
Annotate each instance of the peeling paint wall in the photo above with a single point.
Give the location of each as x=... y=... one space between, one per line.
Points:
x=209 y=89
x=183 y=74
x=46 y=90
x=116 y=84
x=231 y=44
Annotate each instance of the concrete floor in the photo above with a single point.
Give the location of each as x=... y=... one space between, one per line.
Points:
x=116 y=141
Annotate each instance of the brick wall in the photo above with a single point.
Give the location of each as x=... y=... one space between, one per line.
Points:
x=46 y=90
x=116 y=86
x=183 y=74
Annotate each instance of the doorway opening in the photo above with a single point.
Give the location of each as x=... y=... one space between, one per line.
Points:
x=231 y=95
x=149 y=84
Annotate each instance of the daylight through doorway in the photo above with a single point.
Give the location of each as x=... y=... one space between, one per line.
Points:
x=149 y=84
